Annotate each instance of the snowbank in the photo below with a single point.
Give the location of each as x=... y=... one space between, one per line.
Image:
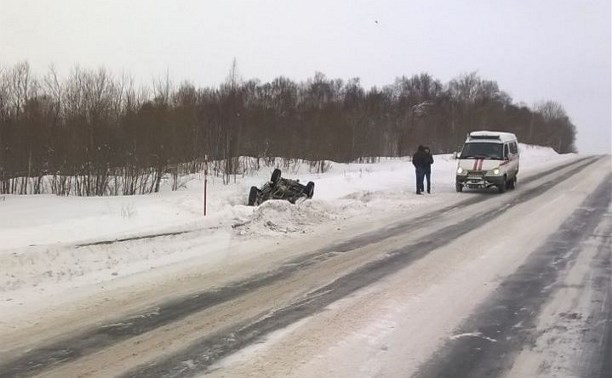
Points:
x=69 y=241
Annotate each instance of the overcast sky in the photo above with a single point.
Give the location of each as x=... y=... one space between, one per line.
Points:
x=536 y=50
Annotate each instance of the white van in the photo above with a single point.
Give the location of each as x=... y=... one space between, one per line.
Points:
x=488 y=159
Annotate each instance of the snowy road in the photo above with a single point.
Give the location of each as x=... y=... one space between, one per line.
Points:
x=517 y=284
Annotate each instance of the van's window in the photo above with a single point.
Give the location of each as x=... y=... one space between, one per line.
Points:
x=481 y=151
x=506 y=151
x=513 y=148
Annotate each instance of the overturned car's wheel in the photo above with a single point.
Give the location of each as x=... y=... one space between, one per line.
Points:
x=253 y=196
x=309 y=189
x=276 y=175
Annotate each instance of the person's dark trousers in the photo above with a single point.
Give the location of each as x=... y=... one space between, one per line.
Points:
x=428 y=178
x=420 y=175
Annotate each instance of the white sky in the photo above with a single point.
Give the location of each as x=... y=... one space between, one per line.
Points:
x=536 y=50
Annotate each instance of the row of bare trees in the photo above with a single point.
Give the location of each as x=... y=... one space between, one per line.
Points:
x=93 y=133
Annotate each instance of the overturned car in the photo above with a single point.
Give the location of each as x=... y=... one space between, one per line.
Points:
x=280 y=188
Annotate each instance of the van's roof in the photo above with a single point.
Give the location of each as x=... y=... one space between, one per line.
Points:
x=490 y=136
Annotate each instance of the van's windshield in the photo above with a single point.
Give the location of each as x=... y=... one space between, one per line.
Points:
x=477 y=150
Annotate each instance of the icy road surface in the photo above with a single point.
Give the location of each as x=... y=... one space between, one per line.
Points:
x=473 y=285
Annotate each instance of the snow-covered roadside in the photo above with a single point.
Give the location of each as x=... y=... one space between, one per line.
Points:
x=51 y=220
x=43 y=239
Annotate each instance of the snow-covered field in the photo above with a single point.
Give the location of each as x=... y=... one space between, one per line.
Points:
x=53 y=247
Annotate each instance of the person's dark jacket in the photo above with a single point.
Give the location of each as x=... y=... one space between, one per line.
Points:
x=428 y=161
x=421 y=159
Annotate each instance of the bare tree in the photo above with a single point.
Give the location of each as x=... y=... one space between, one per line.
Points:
x=92 y=133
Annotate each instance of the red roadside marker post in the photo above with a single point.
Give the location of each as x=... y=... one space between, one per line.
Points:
x=205 y=184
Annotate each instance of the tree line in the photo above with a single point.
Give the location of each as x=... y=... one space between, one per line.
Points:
x=93 y=133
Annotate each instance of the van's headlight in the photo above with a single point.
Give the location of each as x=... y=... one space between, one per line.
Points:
x=459 y=170
x=496 y=171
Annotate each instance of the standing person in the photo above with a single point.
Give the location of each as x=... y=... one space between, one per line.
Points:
x=419 y=160
x=428 y=162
